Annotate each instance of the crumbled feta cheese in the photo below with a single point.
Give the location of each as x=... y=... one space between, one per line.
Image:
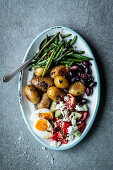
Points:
x=66 y=112
x=62 y=107
x=71 y=137
x=72 y=129
x=55 y=144
x=73 y=121
x=79 y=122
x=65 y=119
x=81 y=108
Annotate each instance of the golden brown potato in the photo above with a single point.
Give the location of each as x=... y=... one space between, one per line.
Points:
x=60 y=70
x=77 y=89
x=32 y=94
x=45 y=102
x=39 y=71
x=42 y=83
x=55 y=93
x=61 y=82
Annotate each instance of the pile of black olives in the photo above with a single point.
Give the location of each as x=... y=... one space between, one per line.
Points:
x=82 y=72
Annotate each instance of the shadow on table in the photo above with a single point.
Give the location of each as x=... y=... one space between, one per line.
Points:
x=102 y=99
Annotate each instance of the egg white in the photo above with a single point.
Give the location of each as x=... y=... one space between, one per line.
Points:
x=44 y=134
x=35 y=115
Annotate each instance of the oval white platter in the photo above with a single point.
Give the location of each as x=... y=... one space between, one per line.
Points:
x=25 y=76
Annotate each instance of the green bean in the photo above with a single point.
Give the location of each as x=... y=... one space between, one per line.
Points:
x=66 y=35
x=58 y=54
x=50 y=48
x=41 y=63
x=71 y=49
x=79 y=52
x=46 y=39
x=47 y=44
x=70 y=64
x=58 y=49
x=62 y=52
x=35 y=66
x=55 y=45
x=73 y=40
x=41 y=57
x=78 y=56
x=56 y=41
x=74 y=60
x=60 y=42
x=68 y=43
x=69 y=54
x=62 y=56
x=48 y=63
x=65 y=62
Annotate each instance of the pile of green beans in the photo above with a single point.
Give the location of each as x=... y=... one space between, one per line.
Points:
x=56 y=52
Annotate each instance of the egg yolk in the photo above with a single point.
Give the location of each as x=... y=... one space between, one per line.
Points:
x=41 y=124
x=46 y=115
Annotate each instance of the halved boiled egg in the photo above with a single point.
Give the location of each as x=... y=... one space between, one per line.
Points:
x=41 y=113
x=43 y=128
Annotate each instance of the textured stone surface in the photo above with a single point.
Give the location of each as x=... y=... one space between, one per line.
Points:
x=20 y=22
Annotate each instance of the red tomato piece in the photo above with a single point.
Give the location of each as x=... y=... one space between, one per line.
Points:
x=64 y=141
x=81 y=126
x=54 y=136
x=63 y=125
x=59 y=136
x=71 y=102
x=84 y=116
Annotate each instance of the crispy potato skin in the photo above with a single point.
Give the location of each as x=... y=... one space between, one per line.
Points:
x=55 y=93
x=42 y=83
x=45 y=102
x=61 y=82
x=60 y=70
x=32 y=94
x=77 y=89
x=39 y=71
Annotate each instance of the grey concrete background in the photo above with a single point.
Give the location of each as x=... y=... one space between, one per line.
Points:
x=20 y=22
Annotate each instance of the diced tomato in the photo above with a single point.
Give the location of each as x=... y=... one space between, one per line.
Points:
x=56 y=119
x=71 y=102
x=81 y=126
x=59 y=135
x=64 y=141
x=54 y=136
x=63 y=125
x=84 y=116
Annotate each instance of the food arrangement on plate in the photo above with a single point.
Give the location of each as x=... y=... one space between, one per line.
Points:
x=62 y=81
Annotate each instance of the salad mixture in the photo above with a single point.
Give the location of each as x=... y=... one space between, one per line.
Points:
x=62 y=75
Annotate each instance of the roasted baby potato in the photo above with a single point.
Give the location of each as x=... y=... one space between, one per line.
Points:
x=45 y=102
x=77 y=89
x=39 y=71
x=61 y=82
x=55 y=93
x=42 y=83
x=60 y=70
x=32 y=94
